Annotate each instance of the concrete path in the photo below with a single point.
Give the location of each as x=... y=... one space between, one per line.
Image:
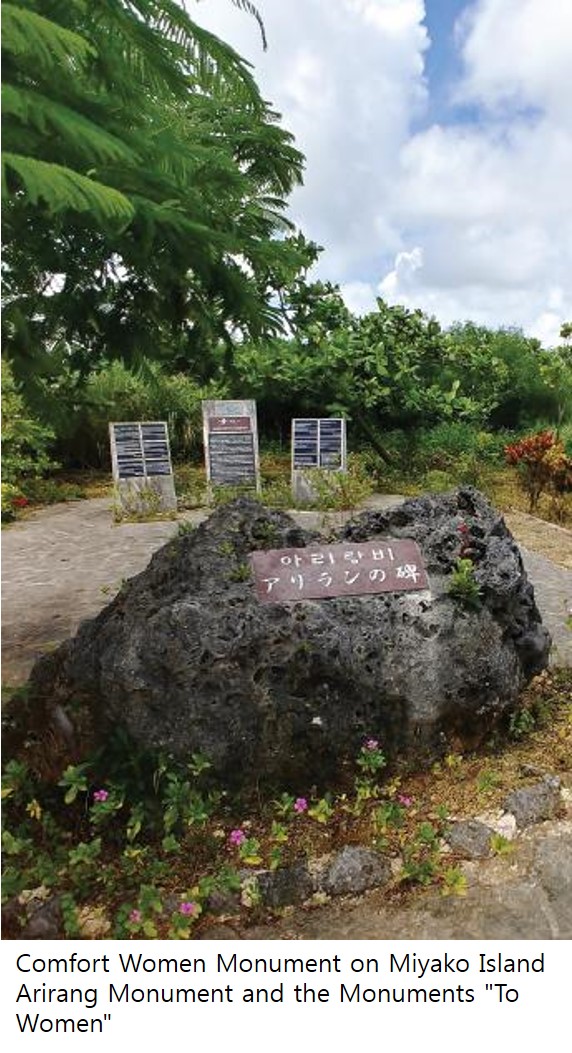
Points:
x=63 y=564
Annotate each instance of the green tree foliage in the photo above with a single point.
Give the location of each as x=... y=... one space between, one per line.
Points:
x=144 y=170
x=513 y=374
x=26 y=443
x=396 y=368
x=79 y=409
x=391 y=368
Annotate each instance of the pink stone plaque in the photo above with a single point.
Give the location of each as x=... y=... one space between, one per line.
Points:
x=230 y=424
x=322 y=571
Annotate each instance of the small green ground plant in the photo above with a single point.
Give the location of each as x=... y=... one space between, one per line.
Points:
x=153 y=845
x=462 y=584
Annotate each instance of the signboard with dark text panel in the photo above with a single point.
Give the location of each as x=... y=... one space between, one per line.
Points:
x=142 y=470
x=319 y=442
x=231 y=442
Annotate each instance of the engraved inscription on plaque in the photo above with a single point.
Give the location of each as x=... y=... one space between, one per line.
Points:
x=231 y=459
x=230 y=424
x=231 y=443
x=331 y=443
x=318 y=442
x=324 y=571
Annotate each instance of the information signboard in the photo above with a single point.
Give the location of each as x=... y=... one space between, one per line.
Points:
x=319 y=442
x=142 y=470
x=231 y=443
x=325 y=571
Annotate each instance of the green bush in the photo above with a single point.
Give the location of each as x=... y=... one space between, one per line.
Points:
x=26 y=443
x=446 y=444
x=116 y=393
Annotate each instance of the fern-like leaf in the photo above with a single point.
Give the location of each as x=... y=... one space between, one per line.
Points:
x=62 y=189
x=42 y=43
x=33 y=109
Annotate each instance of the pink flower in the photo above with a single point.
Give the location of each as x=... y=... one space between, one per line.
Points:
x=463 y=528
x=100 y=796
x=371 y=744
x=405 y=800
x=135 y=917
x=188 y=908
x=300 y=805
x=237 y=837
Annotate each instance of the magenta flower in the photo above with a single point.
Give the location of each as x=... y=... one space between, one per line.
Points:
x=300 y=805
x=135 y=917
x=371 y=744
x=188 y=909
x=100 y=796
x=237 y=838
x=405 y=800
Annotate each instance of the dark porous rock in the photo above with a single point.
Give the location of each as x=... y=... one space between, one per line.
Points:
x=355 y=869
x=223 y=901
x=470 y=838
x=286 y=885
x=187 y=659
x=45 y=923
x=13 y=917
x=532 y=804
x=220 y=931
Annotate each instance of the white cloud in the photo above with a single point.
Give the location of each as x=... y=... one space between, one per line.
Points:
x=404 y=274
x=466 y=219
x=348 y=78
x=358 y=296
x=518 y=51
x=488 y=201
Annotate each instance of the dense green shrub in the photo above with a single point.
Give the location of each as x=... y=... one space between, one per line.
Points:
x=80 y=412
x=531 y=382
x=26 y=445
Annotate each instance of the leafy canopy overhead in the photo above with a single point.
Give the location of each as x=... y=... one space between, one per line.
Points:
x=143 y=168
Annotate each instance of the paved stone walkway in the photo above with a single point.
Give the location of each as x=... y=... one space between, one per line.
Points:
x=63 y=564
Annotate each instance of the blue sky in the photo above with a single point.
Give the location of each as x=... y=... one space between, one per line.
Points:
x=438 y=144
x=442 y=59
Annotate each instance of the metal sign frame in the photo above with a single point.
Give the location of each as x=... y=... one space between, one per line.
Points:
x=142 y=442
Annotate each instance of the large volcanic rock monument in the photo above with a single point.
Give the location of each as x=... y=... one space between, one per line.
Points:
x=189 y=658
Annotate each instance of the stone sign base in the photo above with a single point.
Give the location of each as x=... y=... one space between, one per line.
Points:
x=304 y=489
x=144 y=496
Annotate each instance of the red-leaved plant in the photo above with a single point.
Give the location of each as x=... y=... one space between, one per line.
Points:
x=542 y=465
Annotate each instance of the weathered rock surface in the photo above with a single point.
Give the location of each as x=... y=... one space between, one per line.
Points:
x=531 y=804
x=188 y=660
x=470 y=838
x=355 y=869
